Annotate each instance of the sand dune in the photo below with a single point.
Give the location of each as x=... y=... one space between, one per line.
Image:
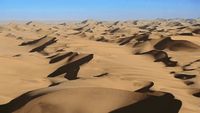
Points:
x=176 y=45
x=99 y=100
x=100 y=67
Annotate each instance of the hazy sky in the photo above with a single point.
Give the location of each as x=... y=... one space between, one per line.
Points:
x=97 y=9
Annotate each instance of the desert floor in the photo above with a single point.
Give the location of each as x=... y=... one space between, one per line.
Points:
x=143 y=66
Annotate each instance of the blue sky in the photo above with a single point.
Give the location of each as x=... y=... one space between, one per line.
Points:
x=97 y=9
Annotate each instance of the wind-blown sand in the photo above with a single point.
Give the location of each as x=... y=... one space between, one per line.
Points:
x=100 y=67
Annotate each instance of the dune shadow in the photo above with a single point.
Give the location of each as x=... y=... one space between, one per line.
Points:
x=153 y=104
x=72 y=68
x=161 y=56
